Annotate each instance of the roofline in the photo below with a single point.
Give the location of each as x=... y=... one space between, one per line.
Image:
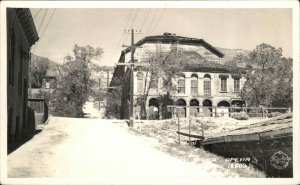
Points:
x=179 y=40
x=26 y=21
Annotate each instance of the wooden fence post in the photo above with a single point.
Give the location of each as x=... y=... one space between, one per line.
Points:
x=190 y=120
x=202 y=129
x=178 y=127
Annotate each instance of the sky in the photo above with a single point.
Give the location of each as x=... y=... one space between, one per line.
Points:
x=104 y=28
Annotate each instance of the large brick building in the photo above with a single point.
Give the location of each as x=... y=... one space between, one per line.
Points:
x=21 y=35
x=207 y=86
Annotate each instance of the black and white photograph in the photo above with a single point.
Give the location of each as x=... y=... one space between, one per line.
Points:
x=140 y=92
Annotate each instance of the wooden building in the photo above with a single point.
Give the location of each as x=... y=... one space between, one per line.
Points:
x=21 y=35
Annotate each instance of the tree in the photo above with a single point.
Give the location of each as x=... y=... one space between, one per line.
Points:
x=167 y=67
x=113 y=99
x=266 y=72
x=163 y=66
x=39 y=67
x=75 y=84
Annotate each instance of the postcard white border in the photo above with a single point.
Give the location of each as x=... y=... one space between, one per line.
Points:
x=151 y=4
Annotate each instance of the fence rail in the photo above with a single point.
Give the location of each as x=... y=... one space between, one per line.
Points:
x=190 y=135
x=217 y=111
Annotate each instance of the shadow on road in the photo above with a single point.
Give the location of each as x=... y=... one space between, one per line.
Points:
x=13 y=146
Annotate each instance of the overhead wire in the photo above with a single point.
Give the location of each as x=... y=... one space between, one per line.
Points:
x=132 y=23
x=48 y=23
x=158 y=20
x=43 y=20
x=143 y=23
x=37 y=13
x=44 y=30
x=125 y=28
x=155 y=13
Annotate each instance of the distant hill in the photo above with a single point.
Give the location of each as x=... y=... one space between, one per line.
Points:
x=231 y=53
x=41 y=67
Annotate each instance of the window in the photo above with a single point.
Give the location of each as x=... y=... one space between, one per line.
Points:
x=154 y=82
x=158 y=47
x=223 y=84
x=236 y=85
x=20 y=72
x=207 y=88
x=140 y=85
x=47 y=85
x=17 y=131
x=11 y=55
x=194 y=84
x=173 y=46
x=9 y=124
x=181 y=84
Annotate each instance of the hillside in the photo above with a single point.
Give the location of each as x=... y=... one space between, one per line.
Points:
x=231 y=53
x=41 y=67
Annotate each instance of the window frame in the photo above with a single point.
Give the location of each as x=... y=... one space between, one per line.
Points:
x=181 y=86
x=235 y=84
x=140 y=83
x=194 y=84
x=11 y=56
x=224 y=85
x=207 y=85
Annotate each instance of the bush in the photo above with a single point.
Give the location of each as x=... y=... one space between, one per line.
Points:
x=240 y=115
x=274 y=114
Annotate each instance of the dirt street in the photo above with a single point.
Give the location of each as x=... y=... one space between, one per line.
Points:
x=95 y=148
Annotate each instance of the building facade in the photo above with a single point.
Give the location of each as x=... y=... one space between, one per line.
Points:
x=21 y=35
x=205 y=87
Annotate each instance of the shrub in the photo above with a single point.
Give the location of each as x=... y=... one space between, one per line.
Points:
x=274 y=114
x=240 y=115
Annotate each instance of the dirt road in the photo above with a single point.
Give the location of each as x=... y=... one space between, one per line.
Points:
x=95 y=148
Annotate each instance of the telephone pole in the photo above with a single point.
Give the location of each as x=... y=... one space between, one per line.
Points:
x=132 y=49
x=131 y=63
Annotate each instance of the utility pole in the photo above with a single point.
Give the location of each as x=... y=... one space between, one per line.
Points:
x=132 y=49
x=131 y=63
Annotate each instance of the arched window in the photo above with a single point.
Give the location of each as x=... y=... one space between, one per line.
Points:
x=181 y=84
x=154 y=82
x=181 y=110
x=140 y=83
x=194 y=84
x=207 y=88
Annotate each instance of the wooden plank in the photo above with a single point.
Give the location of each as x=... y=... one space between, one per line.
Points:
x=190 y=135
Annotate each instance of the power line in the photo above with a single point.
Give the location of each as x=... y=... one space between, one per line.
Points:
x=44 y=29
x=126 y=25
x=36 y=14
x=48 y=23
x=145 y=19
x=158 y=20
x=132 y=23
x=43 y=20
x=152 y=21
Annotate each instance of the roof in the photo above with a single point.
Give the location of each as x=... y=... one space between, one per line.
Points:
x=167 y=38
x=27 y=24
x=52 y=73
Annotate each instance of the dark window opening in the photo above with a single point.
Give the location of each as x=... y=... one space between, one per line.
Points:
x=11 y=56
x=223 y=84
x=236 y=85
